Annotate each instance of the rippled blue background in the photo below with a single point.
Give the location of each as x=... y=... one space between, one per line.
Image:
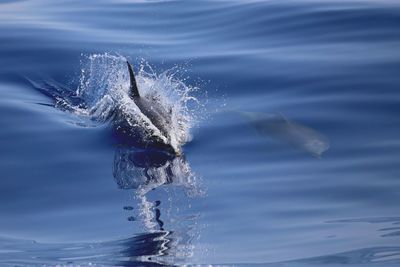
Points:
x=331 y=65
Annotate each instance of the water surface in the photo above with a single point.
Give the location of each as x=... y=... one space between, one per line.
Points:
x=71 y=195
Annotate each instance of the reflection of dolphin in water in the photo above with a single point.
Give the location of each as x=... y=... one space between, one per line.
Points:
x=278 y=127
x=145 y=170
x=140 y=250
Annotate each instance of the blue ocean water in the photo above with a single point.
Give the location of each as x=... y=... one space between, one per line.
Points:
x=294 y=156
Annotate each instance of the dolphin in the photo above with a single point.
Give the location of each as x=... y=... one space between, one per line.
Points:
x=279 y=127
x=123 y=130
x=158 y=116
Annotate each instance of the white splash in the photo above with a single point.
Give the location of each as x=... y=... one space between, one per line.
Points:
x=104 y=85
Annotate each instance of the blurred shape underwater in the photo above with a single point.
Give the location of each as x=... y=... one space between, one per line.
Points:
x=280 y=128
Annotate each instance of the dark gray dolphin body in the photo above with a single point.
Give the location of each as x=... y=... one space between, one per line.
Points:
x=296 y=134
x=158 y=116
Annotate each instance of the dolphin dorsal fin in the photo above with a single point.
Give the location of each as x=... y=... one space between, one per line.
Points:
x=133 y=89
